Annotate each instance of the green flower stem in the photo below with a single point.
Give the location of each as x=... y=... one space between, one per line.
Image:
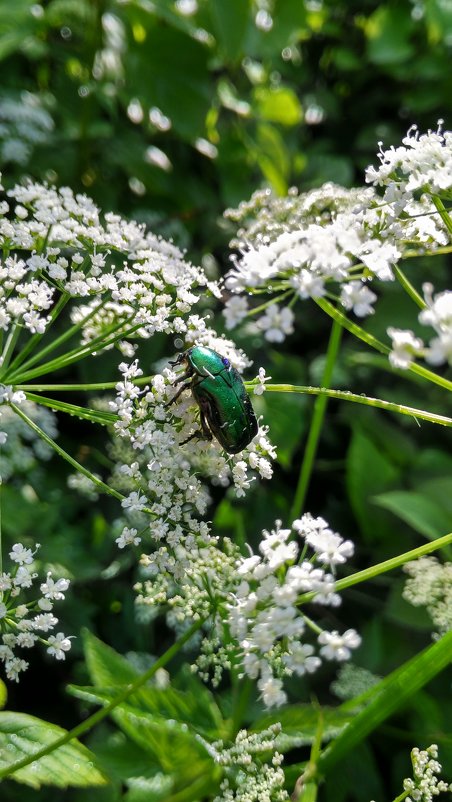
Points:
x=345 y=395
x=93 y=415
x=391 y=694
x=241 y=697
x=383 y=567
x=258 y=309
x=99 y=715
x=62 y=453
x=74 y=356
x=401 y=796
x=408 y=287
x=36 y=338
x=316 y=425
x=66 y=388
x=445 y=217
x=9 y=347
x=56 y=342
x=353 y=328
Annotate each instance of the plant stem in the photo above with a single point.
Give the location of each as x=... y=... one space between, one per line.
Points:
x=345 y=395
x=363 y=335
x=315 y=428
x=36 y=338
x=93 y=415
x=445 y=217
x=99 y=715
x=66 y=388
x=62 y=453
x=408 y=287
x=383 y=567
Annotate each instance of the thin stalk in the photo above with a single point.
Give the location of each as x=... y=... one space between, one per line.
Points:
x=62 y=453
x=242 y=693
x=99 y=715
x=93 y=415
x=66 y=335
x=383 y=567
x=345 y=395
x=257 y=309
x=66 y=388
x=74 y=356
x=316 y=425
x=445 y=217
x=408 y=287
x=36 y=338
x=363 y=335
x=9 y=347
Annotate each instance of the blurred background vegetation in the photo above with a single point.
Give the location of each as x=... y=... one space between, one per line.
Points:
x=171 y=112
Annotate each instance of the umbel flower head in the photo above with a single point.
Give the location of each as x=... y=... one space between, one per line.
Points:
x=24 y=623
x=253 y=604
x=337 y=241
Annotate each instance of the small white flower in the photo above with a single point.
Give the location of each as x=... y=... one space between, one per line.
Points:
x=405 y=346
x=235 y=310
x=128 y=537
x=262 y=378
x=356 y=296
x=276 y=323
x=59 y=644
x=336 y=646
x=19 y=554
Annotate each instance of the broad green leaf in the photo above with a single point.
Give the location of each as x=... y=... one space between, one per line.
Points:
x=388 y=32
x=157 y=66
x=386 y=698
x=172 y=745
x=106 y=667
x=368 y=471
x=229 y=25
x=272 y=157
x=301 y=723
x=195 y=705
x=22 y=736
x=278 y=105
x=417 y=510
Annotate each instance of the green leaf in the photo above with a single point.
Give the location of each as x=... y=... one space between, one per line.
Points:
x=3 y=694
x=388 y=31
x=417 y=510
x=194 y=706
x=368 y=471
x=229 y=25
x=272 y=157
x=157 y=67
x=301 y=723
x=106 y=667
x=386 y=698
x=17 y=24
x=69 y=765
x=278 y=105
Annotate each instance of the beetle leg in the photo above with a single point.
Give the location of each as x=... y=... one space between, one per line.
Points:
x=204 y=433
x=181 y=389
x=205 y=429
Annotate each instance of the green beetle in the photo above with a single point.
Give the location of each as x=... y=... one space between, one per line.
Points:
x=225 y=408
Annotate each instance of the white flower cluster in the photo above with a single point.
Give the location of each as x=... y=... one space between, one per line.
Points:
x=132 y=282
x=250 y=776
x=425 y=784
x=422 y=163
x=304 y=245
x=24 y=123
x=169 y=463
x=437 y=313
x=22 y=625
x=21 y=448
x=264 y=616
x=430 y=585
